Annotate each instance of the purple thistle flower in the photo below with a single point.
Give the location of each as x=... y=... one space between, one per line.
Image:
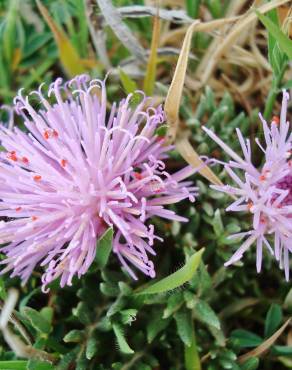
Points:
x=79 y=171
x=265 y=193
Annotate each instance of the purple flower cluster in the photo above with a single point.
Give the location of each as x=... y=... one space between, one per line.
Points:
x=266 y=192
x=78 y=170
x=82 y=166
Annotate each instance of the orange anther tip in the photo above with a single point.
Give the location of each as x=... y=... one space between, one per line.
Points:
x=276 y=119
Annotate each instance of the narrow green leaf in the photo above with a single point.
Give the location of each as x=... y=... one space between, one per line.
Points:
x=184 y=326
x=283 y=40
x=178 y=278
x=217 y=223
x=192 y=7
x=123 y=345
x=23 y=365
x=251 y=364
x=155 y=326
x=246 y=338
x=273 y=320
x=205 y=314
x=282 y=350
x=9 y=36
x=37 y=320
x=13 y=365
x=91 y=348
x=104 y=247
x=74 y=336
x=3 y=294
x=129 y=85
x=150 y=76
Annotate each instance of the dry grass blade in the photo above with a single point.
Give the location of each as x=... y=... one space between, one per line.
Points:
x=184 y=147
x=231 y=38
x=262 y=348
x=174 y=94
x=149 y=80
x=137 y=11
x=97 y=34
x=121 y=30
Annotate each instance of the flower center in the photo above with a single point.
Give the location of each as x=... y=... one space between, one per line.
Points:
x=286 y=184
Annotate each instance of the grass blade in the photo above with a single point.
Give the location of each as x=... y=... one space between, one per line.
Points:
x=178 y=278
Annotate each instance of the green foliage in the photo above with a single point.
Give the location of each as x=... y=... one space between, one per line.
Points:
x=103 y=248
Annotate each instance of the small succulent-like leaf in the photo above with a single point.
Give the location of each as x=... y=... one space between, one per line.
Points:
x=123 y=345
x=37 y=320
x=273 y=320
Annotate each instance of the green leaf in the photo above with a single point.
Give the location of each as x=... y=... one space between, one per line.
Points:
x=282 y=350
x=123 y=345
x=38 y=365
x=13 y=365
x=3 y=294
x=91 y=348
x=178 y=278
x=205 y=314
x=184 y=326
x=68 y=359
x=74 y=336
x=116 y=306
x=83 y=312
x=174 y=302
x=9 y=36
x=284 y=41
x=150 y=76
x=276 y=57
x=37 y=320
x=23 y=365
x=217 y=223
x=109 y=289
x=161 y=131
x=129 y=85
x=246 y=338
x=192 y=7
x=47 y=313
x=155 y=326
x=273 y=320
x=251 y=364
x=104 y=247
x=128 y=316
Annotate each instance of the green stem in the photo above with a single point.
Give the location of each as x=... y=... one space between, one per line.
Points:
x=273 y=93
x=192 y=359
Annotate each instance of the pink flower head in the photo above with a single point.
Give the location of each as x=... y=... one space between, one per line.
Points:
x=265 y=193
x=77 y=171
